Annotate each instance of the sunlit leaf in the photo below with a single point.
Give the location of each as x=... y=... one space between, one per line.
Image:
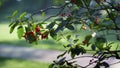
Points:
x=20 y=31
x=22 y=15
x=13 y=27
x=15 y=13
x=43 y=14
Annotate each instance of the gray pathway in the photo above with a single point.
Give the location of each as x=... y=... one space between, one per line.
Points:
x=43 y=55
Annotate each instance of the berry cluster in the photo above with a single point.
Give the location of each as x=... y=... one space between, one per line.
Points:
x=35 y=35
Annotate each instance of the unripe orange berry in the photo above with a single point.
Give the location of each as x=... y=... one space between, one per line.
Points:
x=84 y=27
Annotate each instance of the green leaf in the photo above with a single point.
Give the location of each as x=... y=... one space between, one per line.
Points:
x=61 y=25
x=22 y=15
x=43 y=14
x=51 y=25
x=93 y=47
x=79 y=3
x=107 y=19
x=11 y=24
x=70 y=27
x=13 y=27
x=20 y=31
x=111 y=43
x=15 y=13
x=61 y=61
x=53 y=34
x=99 y=43
x=105 y=64
x=88 y=1
x=72 y=55
x=68 y=37
x=51 y=65
x=76 y=40
x=88 y=37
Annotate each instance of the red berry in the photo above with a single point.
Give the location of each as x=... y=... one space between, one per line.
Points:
x=118 y=6
x=37 y=29
x=73 y=1
x=97 y=20
x=63 y=14
x=84 y=27
x=31 y=33
x=84 y=42
x=44 y=36
x=98 y=1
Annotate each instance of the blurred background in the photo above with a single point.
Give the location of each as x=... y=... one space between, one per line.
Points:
x=11 y=48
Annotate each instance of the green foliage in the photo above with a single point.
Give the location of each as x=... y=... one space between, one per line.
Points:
x=76 y=50
x=22 y=16
x=12 y=27
x=15 y=13
x=20 y=32
x=20 y=63
x=94 y=17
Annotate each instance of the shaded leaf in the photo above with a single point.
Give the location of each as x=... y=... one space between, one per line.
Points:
x=69 y=45
x=53 y=34
x=88 y=37
x=93 y=47
x=61 y=25
x=68 y=37
x=72 y=55
x=51 y=25
x=105 y=64
x=70 y=27
x=76 y=40
x=61 y=61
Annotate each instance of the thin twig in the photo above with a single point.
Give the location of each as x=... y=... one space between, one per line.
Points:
x=79 y=57
x=62 y=8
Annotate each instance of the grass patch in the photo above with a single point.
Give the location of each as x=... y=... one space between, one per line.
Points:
x=18 y=63
x=12 y=39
